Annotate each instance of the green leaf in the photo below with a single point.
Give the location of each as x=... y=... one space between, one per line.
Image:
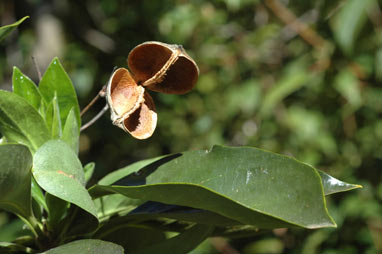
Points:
x=58 y=171
x=114 y=204
x=38 y=195
x=13 y=248
x=133 y=209
x=245 y=184
x=6 y=30
x=348 y=85
x=131 y=237
x=53 y=118
x=37 y=210
x=15 y=180
x=294 y=78
x=20 y=122
x=348 y=22
x=26 y=88
x=12 y=230
x=182 y=243
x=77 y=222
x=57 y=208
x=89 y=170
x=57 y=81
x=119 y=174
x=154 y=210
x=71 y=133
x=238 y=231
x=332 y=185
x=87 y=246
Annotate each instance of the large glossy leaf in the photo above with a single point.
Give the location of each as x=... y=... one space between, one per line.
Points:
x=57 y=81
x=133 y=168
x=26 y=88
x=111 y=205
x=182 y=243
x=71 y=133
x=58 y=171
x=15 y=180
x=6 y=30
x=20 y=122
x=87 y=246
x=245 y=184
x=332 y=185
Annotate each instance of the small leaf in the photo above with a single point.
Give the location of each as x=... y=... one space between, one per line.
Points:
x=348 y=22
x=56 y=80
x=12 y=248
x=333 y=185
x=114 y=204
x=20 y=122
x=70 y=133
x=53 y=118
x=26 y=88
x=348 y=85
x=58 y=171
x=15 y=180
x=295 y=77
x=57 y=208
x=89 y=170
x=37 y=210
x=182 y=243
x=244 y=184
x=38 y=195
x=87 y=246
x=6 y=30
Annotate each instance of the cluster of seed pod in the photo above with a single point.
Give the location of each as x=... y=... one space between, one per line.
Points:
x=157 y=66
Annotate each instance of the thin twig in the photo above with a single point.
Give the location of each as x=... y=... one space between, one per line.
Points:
x=37 y=68
x=101 y=93
x=95 y=118
x=290 y=19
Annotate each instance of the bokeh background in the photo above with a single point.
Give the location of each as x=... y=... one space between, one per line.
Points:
x=302 y=78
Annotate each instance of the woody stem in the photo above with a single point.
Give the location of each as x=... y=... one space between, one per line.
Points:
x=101 y=93
x=103 y=110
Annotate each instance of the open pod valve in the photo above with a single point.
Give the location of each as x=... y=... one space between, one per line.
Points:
x=157 y=66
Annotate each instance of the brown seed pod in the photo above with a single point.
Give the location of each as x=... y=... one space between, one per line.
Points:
x=143 y=121
x=157 y=66
x=163 y=67
x=123 y=94
x=132 y=109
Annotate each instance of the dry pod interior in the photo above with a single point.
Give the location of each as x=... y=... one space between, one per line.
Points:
x=158 y=67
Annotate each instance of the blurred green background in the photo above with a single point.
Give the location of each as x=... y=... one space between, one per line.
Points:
x=302 y=78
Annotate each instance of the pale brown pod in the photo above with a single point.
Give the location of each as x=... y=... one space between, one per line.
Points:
x=163 y=67
x=143 y=121
x=123 y=95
